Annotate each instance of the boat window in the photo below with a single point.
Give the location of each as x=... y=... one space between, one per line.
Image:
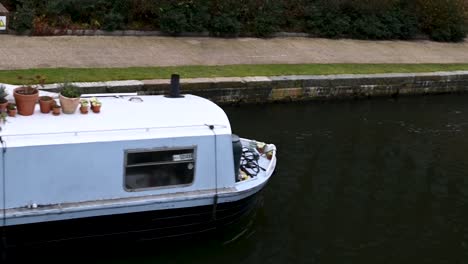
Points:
x=159 y=168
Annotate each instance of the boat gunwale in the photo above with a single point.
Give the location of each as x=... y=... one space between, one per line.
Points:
x=145 y=129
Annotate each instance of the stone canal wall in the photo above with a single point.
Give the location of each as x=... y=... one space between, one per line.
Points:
x=294 y=88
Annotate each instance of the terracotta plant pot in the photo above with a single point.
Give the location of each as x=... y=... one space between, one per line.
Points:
x=26 y=98
x=69 y=105
x=84 y=110
x=96 y=109
x=12 y=113
x=56 y=110
x=3 y=105
x=45 y=102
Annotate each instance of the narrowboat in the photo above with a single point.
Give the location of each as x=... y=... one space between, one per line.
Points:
x=147 y=166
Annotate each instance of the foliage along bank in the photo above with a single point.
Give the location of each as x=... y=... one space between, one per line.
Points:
x=441 y=20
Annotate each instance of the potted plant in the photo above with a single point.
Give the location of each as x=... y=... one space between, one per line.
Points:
x=56 y=109
x=93 y=100
x=95 y=105
x=26 y=96
x=45 y=103
x=84 y=106
x=3 y=100
x=69 y=98
x=12 y=110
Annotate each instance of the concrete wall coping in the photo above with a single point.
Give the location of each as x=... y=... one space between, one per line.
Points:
x=291 y=87
x=258 y=79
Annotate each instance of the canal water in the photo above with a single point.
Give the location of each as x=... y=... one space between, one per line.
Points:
x=367 y=181
x=374 y=181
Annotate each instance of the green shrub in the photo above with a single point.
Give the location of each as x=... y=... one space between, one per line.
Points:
x=81 y=11
x=448 y=32
x=184 y=16
x=327 y=23
x=369 y=27
x=113 y=21
x=390 y=25
x=144 y=13
x=55 y=8
x=402 y=23
x=265 y=25
x=293 y=15
x=225 y=25
x=226 y=17
x=361 y=19
x=22 y=19
x=173 y=21
x=443 y=20
x=199 y=17
x=266 y=17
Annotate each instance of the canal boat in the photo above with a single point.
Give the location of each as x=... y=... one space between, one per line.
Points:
x=146 y=166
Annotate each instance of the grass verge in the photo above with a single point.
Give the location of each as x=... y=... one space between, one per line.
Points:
x=57 y=75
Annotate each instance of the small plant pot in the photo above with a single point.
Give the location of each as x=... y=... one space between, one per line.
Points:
x=45 y=103
x=96 y=109
x=12 y=113
x=26 y=98
x=56 y=111
x=69 y=105
x=84 y=110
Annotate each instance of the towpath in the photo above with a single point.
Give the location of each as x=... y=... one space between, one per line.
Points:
x=17 y=52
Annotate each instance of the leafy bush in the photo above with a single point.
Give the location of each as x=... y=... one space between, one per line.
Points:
x=144 y=13
x=55 y=8
x=390 y=25
x=113 y=21
x=226 y=17
x=226 y=25
x=369 y=27
x=443 y=20
x=293 y=15
x=184 y=16
x=173 y=21
x=361 y=19
x=22 y=19
x=327 y=23
x=265 y=25
x=266 y=17
x=41 y=27
x=402 y=22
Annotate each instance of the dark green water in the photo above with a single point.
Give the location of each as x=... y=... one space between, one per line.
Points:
x=379 y=181
x=373 y=181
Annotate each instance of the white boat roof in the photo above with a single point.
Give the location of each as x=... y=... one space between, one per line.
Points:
x=120 y=119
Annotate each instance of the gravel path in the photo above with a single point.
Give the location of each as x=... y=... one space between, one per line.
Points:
x=18 y=52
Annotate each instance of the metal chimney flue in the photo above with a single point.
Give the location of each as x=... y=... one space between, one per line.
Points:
x=175 y=86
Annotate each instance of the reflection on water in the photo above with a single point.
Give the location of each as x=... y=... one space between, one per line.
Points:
x=377 y=181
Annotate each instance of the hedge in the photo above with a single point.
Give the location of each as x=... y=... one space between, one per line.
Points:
x=441 y=20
